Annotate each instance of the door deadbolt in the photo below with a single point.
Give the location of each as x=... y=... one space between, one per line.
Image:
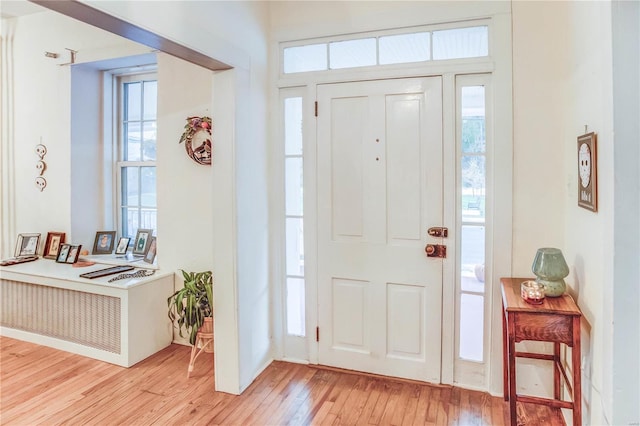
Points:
x=438 y=231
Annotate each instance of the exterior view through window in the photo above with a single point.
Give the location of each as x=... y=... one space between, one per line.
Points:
x=472 y=247
x=137 y=154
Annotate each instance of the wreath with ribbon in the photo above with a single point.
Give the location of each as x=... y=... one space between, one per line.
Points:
x=201 y=154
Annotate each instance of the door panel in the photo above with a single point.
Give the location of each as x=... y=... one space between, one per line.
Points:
x=379 y=189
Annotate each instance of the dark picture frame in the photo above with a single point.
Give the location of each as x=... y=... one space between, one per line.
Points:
x=141 y=243
x=27 y=245
x=588 y=171
x=123 y=245
x=69 y=253
x=63 y=253
x=103 y=243
x=52 y=244
x=74 y=254
x=150 y=256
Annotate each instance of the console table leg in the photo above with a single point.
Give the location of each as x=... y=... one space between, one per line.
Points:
x=556 y=370
x=512 y=372
x=505 y=357
x=577 y=373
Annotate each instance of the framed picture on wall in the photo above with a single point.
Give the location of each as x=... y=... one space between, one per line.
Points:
x=588 y=172
x=52 y=244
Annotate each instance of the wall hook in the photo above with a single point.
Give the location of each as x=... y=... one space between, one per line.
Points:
x=73 y=57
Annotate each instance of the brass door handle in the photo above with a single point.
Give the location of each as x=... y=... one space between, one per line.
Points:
x=436 y=250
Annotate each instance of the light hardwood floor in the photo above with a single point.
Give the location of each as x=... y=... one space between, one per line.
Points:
x=44 y=386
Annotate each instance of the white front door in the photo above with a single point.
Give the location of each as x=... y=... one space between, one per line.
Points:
x=380 y=187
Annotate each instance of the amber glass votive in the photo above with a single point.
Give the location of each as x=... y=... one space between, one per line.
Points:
x=532 y=292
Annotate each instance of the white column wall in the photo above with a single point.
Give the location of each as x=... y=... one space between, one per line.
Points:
x=185 y=203
x=235 y=33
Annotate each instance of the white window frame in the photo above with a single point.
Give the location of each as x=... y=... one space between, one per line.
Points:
x=468 y=373
x=119 y=164
x=382 y=33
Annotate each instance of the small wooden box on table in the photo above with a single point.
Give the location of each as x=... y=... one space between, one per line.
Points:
x=556 y=320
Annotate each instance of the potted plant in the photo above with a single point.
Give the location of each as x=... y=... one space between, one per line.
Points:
x=191 y=307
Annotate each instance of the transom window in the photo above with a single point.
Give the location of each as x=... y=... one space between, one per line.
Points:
x=414 y=46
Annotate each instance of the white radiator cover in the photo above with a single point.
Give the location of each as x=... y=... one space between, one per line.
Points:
x=92 y=320
x=121 y=322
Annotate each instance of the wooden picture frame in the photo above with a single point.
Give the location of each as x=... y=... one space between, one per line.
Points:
x=27 y=245
x=588 y=171
x=52 y=244
x=123 y=245
x=150 y=256
x=103 y=243
x=141 y=243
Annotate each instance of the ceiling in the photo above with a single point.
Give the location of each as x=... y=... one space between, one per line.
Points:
x=15 y=8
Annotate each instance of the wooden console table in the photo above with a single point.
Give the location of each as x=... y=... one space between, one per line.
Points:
x=556 y=320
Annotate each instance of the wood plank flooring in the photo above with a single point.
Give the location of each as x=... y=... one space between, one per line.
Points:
x=44 y=386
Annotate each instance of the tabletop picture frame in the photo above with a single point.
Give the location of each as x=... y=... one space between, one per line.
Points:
x=27 y=245
x=52 y=244
x=63 y=253
x=103 y=243
x=74 y=253
x=150 y=256
x=141 y=243
x=123 y=246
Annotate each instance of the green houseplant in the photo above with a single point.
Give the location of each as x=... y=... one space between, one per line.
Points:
x=193 y=303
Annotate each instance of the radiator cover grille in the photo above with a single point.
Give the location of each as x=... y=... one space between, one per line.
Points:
x=88 y=319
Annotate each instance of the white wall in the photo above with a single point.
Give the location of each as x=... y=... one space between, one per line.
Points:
x=41 y=108
x=539 y=188
x=87 y=202
x=588 y=235
x=562 y=82
x=185 y=202
x=539 y=75
x=626 y=291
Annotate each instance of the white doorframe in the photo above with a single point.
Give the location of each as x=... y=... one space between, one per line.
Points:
x=499 y=65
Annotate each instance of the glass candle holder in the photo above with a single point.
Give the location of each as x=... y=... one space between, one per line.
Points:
x=532 y=292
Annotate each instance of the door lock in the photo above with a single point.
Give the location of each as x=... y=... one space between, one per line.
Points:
x=438 y=231
x=436 y=250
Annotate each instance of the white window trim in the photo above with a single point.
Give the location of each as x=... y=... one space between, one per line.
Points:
x=121 y=76
x=381 y=33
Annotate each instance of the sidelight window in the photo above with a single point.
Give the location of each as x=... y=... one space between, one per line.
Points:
x=294 y=221
x=474 y=141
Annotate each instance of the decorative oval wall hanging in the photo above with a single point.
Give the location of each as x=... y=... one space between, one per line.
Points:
x=202 y=153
